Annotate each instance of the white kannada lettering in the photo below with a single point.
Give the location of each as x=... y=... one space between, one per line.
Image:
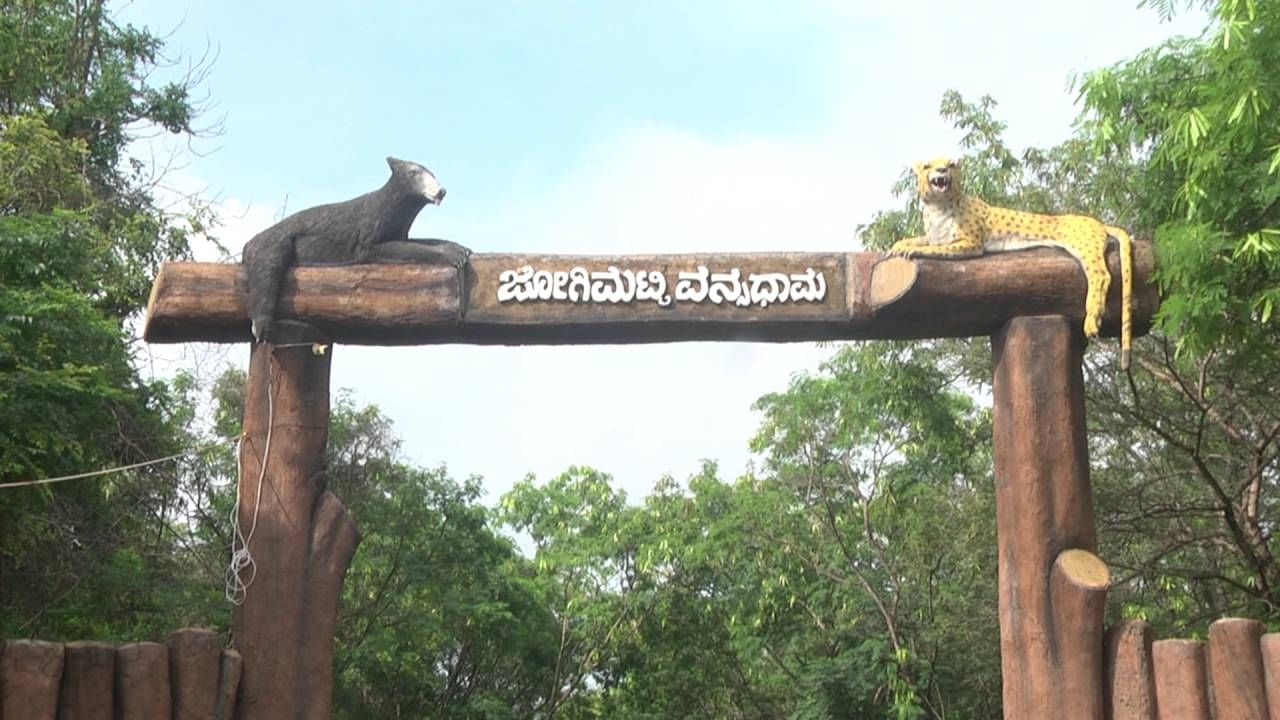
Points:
x=614 y=285
x=727 y=287
x=652 y=286
x=808 y=285
x=687 y=290
x=769 y=288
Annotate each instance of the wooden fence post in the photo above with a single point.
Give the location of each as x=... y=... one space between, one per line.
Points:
x=1052 y=586
x=302 y=542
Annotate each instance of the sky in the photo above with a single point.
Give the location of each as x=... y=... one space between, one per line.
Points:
x=603 y=127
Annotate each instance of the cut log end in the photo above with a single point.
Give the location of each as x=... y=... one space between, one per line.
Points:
x=1083 y=568
x=891 y=279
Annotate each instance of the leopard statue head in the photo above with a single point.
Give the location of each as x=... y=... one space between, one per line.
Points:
x=938 y=179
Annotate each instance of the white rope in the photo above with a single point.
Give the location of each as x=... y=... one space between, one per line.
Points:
x=122 y=468
x=237 y=586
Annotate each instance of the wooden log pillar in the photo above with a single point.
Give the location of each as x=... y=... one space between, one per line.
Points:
x=195 y=660
x=1182 y=682
x=1052 y=586
x=302 y=542
x=1130 y=689
x=30 y=674
x=1235 y=669
x=88 y=682
x=1270 y=645
x=228 y=685
x=142 y=682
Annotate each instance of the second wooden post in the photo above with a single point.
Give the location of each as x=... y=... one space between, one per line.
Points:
x=1052 y=585
x=300 y=537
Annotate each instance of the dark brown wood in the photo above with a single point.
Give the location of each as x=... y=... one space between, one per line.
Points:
x=195 y=657
x=1235 y=669
x=867 y=296
x=30 y=675
x=228 y=685
x=1270 y=645
x=210 y=300
x=333 y=543
x=1050 y=629
x=88 y=682
x=1130 y=681
x=1181 y=680
x=301 y=544
x=142 y=682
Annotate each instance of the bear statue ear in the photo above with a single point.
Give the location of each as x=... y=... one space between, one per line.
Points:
x=393 y=162
x=918 y=166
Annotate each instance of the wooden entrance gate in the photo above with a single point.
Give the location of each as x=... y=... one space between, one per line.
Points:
x=1052 y=586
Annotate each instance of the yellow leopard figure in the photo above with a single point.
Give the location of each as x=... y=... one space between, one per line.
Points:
x=961 y=226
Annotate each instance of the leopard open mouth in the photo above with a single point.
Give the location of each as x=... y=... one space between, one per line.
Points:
x=941 y=183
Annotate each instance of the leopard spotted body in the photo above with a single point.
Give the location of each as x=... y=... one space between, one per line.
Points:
x=963 y=226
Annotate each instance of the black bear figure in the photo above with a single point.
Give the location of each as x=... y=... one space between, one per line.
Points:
x=372 y=228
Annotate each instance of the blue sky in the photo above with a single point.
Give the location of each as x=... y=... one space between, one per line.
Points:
x=491 y=95
x=608 y=127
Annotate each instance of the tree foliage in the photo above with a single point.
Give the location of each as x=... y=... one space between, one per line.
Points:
x=81 y=235
x=1198 y=113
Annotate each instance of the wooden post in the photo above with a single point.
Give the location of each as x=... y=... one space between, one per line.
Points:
x=142 y=682
x=30 y=673
x=1235 y=669
x=1130 y=688
x=228 y=685
x=1270 y=645
x=195 y=658
x=88 y=682
x=302 y=541
x=1182 y=682
x=1052 y=586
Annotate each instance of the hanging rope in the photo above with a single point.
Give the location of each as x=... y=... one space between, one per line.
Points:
x=237 y=585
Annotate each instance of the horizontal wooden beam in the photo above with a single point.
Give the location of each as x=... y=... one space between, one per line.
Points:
x=563 y=299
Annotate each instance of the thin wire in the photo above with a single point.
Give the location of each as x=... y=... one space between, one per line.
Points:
x=122 y=468
x=237 y=588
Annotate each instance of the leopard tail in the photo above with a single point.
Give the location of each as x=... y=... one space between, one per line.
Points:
x=1126 y=293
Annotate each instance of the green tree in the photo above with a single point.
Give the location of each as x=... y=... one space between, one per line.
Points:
x=80 y=238
x=440 y=615
x=1197 y=113
x=1186 y=449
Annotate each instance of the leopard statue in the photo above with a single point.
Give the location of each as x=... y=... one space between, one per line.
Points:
x=963 y=226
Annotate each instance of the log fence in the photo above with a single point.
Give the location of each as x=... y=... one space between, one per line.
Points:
x=1235 y=675
x=191 y=676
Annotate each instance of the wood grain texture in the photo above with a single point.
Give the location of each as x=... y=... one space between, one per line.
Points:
x=1270 y=645
x=302 y=543
x=228 y=685
x=1235 y=669
x=1182 y=682
x=866 y=296
x=30 y=675
x=1130 y=681
x=142 y=682
x=1050 y=617
x=88 y=682
x=195 y=657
